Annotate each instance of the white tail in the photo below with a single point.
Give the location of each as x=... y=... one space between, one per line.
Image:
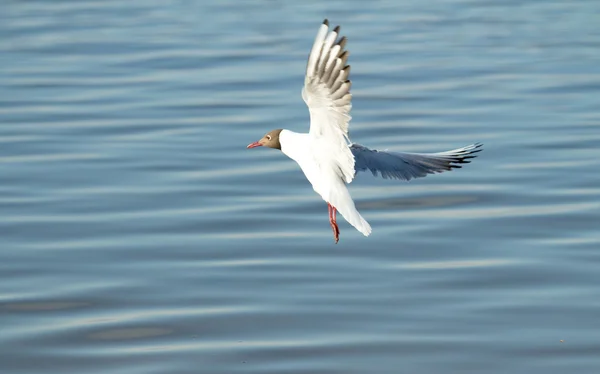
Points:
x=340 y=198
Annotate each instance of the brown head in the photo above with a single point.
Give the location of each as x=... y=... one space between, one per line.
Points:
x=271 y=140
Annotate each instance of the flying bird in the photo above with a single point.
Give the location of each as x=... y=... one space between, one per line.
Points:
x=326 y=155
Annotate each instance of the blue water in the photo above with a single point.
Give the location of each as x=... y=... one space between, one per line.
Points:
x=139 y=235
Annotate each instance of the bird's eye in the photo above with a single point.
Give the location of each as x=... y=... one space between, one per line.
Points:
x=268 y=137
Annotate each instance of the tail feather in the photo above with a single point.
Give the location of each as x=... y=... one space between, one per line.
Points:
x=340 y=198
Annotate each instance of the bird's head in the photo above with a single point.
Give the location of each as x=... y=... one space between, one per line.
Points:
x=271 y=140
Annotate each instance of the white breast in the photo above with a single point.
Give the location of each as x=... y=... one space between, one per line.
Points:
x=297 y=146
x=322 y=174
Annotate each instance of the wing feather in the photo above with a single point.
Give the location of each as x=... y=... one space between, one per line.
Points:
x=315 y=52
x=406 y=166
x=326 y=92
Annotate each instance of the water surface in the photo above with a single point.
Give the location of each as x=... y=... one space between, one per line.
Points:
x=138 y=235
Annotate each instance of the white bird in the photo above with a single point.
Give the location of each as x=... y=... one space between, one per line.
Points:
x=325 y=154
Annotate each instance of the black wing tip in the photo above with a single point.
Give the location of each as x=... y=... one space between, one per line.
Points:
x=470 y=154
x=326 y=22
x=476 y=149
x=465 y=158
x=336 y=30
x=470 y=151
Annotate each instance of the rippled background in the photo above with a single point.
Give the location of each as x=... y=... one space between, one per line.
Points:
x=138 y=235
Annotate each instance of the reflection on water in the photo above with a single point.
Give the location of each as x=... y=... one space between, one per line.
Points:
x=455 y=264
x=130 y=333
x=42 y=306
x=139 y=235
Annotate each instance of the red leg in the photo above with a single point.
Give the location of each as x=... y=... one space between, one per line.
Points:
x=333 y=223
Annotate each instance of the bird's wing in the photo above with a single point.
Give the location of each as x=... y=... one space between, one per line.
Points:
x=406 y=166
x=326 y=92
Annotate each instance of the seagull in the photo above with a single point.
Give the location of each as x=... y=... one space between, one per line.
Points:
x=326 y=155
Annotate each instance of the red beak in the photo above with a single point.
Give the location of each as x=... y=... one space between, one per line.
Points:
x=253 y=145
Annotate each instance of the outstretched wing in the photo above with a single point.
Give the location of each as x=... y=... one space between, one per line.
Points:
x=406 y=166
x=326 y=92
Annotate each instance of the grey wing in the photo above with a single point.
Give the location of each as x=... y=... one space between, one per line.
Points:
x=406 y=166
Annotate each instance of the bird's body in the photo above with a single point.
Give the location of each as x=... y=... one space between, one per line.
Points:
x=325 y=154
x=325 y=182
